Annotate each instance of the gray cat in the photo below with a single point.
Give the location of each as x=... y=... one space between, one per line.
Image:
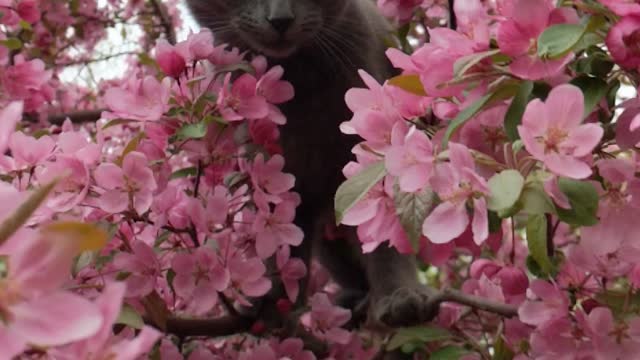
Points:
x=321 y=44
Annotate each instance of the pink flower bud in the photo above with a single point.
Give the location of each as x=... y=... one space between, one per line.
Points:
x=169 y=59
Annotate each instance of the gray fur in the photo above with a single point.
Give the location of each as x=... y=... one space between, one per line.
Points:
x=321 y=49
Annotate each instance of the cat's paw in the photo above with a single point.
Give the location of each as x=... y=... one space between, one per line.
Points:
x=406 y=306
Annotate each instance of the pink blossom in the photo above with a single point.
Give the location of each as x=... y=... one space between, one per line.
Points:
x=276 y=229
x=140 y=99
x=551 y=304
x=197 y=46
x=248 y=277
x=34 y=308
x=28 y=11
x=373 y=113
x=410 y=158
x=621 y=191
x=375 y=215
x=273 y=88
x=291 y=348
x=72 y=189
x=552 y=133
x=291 y=271
x=24 y=78
x=169 y=59
x=402 y=10
x=129 y=186
x=267 y=177
x=214 y=214
x=557 y=339
x=435 y=60
x=29 y=151
x=9 y=118
x=103 y=344
x=199 y=278
x=623 y=41
x=143 y=267
x=518 y=34
x=241 y=101
x=623 y=7
x=325 y=320
x=607 y=248
x=457 y=185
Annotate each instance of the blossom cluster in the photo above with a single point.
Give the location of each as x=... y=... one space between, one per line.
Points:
x=503 y=155
x=172 y=205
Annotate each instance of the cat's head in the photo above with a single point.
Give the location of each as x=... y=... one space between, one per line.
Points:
x=275 y=28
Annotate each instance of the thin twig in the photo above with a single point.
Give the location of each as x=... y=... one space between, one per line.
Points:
x=475 y=302
x=165 y=20
x=76 y=117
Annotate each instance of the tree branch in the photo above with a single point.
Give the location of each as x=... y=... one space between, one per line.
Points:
x=165 y=20
x=76 y=117
x=223 y=326
x=476 y=302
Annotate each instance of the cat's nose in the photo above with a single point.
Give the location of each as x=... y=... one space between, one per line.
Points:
x=281 y=24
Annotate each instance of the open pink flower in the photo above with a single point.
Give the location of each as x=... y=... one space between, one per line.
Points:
x=623 y=41
x=143 y=266
x=21 y=80
x=199 y=278
x=325 y=320
x=248 y=278
x=410 y=158
x=133 y=181
x=551 y=304
x=29 y=151
x=276 y=229
x=169 y=59
x=103 y=344
x=291 y=271
x=241 y=101
x=9 y=117
x=458 y=185
x=197 y=47
x=552 y=132
x=518 y=35
x=140 y=99
x=34 y=308
x=72 y=189
x=623 y=7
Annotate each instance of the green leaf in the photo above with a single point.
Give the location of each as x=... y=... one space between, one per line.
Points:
x=128 y=316
x=463 y=64
x=12 y=43
x=193 y=131
x=25 y=25
x=356 y=187
x=535 y=200
x=513 y=118
x=409 y=83
x=420 y=334
x=412 y=209
x=558 y=40
x=20 y=216
x=583 y=198
x=594 y=90
x=505 y=189
x=116 y=122
x=131 y=146
x=186 y=172
x=503 y=92
x=449 y=353
x=502 y=351
x=537 y=241
x=597 y=63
